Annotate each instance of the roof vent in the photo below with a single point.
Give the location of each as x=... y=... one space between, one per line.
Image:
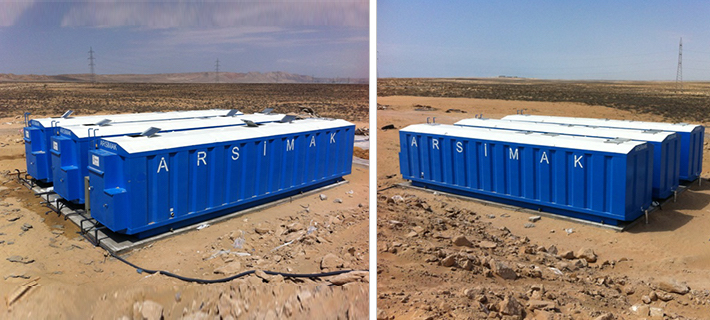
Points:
x=149 y=132
x=617 y=140
x=67 y=114
x=103 y=122
x=232 y=113
x=288 y=119
x=250 y=123
x=267 y=111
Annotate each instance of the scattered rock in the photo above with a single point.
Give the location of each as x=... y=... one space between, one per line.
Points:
x=323 y=197
x=672 y=286
x=529 y=225
x=20 y=259
x=606 y=316
x=629 y=290
x=503 y=270
x=640 y=310
x=148 y=310
x=656 y=312
x=567 y=255
x=349 y=277
x=552 y=249
x=449 y=261
x=26 y=226
x=338 y=200
x=587 y=254
x=294 y=227
x=230 y=268
x=534 y=218
x=331 y=261
x=389 y=127
x=260 y=230
x=487 y=244
x=540 y=305
x=420 y=107
x=261 y=274
x=511 y=307
x=381 y=314
x=455 y=111
x=461 y=241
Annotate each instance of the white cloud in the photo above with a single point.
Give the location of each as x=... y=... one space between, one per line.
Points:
x=11 y=10
x=218 y=14
x=273 y=37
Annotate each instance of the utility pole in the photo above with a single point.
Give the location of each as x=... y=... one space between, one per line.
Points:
x=216 y=70
x=91 y=65
x=679 y=73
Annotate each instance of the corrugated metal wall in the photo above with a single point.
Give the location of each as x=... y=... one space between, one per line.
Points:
x=142 y=193
x=594 y=185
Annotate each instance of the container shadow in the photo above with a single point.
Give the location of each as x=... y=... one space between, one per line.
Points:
x=671 y=216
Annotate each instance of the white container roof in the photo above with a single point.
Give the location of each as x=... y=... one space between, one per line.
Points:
x=653 y=136
x=129 y=128
x=178 y=139
x=519 y=137
x=628 y=124
x=131 y=117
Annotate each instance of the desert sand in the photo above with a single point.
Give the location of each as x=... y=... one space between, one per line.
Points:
x=424 y=274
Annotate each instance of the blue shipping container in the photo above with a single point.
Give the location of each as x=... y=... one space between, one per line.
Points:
x=579 y=177
x=71 y=147
x=38 y=132
x=666 y=145
x=147 y=185
x=691 y=137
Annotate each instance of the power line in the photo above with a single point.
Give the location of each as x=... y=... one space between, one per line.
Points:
x=216 y=70
x=679 y=72
x=91 y=64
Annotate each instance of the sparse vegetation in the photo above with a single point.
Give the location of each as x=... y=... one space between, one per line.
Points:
x=693 y=104
x=349 y=102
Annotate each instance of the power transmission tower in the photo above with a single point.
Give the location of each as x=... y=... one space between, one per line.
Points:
x=216 y=70
x=91 y=64
x=679 y=73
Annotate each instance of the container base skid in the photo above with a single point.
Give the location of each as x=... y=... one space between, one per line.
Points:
x=117 y=243
x=620 y=226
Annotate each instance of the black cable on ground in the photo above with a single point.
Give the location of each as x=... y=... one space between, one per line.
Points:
x=206 y=281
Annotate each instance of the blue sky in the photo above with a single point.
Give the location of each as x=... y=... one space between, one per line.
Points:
x=615 y=40
x=326 y=38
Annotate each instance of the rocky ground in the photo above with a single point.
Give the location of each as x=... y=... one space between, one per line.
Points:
x=464 y=267
x=441 y=257
x=48 y=271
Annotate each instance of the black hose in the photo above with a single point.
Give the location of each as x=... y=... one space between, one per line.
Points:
x=206 y=281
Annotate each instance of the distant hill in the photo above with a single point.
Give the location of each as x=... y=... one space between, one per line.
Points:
x=191 y=77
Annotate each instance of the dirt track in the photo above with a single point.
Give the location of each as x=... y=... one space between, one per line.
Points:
x=423 y=274
x=77 y=280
